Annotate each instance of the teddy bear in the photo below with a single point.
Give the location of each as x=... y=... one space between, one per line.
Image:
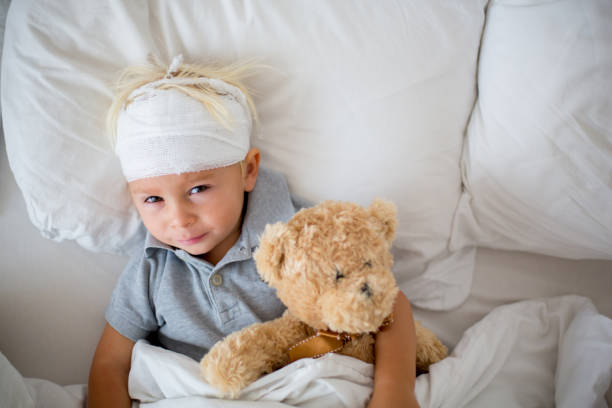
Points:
x=331 y=266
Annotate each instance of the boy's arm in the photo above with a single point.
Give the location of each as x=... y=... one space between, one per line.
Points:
x=108 y=376
x=395 y=367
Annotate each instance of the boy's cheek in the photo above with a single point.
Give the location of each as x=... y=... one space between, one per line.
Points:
x=153 y=226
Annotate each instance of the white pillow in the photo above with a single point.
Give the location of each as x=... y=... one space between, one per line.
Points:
x=365 y=100
x=537 y=165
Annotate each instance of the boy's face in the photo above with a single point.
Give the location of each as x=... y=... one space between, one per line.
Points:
x=199 y=212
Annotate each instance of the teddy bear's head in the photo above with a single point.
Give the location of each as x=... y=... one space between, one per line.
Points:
x=331 y=265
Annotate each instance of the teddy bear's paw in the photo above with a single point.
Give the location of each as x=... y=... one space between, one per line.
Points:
x=430 y=349
x=430 y=353
x=227 y=377
x=243 y=357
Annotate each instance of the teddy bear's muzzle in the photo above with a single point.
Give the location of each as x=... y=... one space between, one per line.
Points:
x=358 y=309
x=366 y=290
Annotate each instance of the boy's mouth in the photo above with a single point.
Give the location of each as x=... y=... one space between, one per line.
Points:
x=191 y=241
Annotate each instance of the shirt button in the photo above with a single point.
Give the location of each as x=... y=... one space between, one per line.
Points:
x=217 y=280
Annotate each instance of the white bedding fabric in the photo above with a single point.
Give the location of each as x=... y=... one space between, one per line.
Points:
x=544 y=353
x=538 y=149
x=331 y=381
x=350 y=110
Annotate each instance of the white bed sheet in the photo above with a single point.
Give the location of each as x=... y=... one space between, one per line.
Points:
x=503 y=277
x=530 y=353
x=545 y=353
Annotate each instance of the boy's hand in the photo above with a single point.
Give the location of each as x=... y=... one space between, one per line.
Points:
x=395 y=364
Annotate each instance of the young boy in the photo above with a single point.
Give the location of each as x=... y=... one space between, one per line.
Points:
x=183 y=142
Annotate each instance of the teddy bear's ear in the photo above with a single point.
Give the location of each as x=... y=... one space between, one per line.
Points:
x=385 y=214
x=271 y=253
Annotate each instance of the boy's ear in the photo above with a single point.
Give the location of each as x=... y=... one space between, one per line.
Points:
x=384 y=212
x=251 y=169
x=270 y=255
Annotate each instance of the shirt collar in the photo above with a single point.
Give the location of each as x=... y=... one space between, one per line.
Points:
x=152 y=242
x=269 y=202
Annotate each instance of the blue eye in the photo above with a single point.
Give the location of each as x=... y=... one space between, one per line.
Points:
x=198 y=189
x=153 y=199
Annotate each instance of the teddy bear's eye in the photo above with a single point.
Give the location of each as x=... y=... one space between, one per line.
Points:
x=368 y=264
x=339 y=275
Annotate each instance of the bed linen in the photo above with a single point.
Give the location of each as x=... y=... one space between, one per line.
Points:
x=562 y=363
x=19 y=392
x=544 y=352
x=537 y=156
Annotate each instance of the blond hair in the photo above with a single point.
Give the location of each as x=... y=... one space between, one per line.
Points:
x=135 y=76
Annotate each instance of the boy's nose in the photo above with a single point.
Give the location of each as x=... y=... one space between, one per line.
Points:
x=181 y=217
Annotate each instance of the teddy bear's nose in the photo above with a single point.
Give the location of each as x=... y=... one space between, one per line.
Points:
x=366 y=290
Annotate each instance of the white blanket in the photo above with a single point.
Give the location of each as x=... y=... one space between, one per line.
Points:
x=544 y=353
x=158 y=375
x=537 y=353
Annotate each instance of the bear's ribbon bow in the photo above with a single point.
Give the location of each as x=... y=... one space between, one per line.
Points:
x=325 y=341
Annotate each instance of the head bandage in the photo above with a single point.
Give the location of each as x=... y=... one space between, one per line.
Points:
x=163 y=132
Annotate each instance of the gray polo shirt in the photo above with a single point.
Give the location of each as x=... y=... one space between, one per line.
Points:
x=191 y=304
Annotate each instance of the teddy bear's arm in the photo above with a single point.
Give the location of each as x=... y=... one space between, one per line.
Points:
x=244 y=356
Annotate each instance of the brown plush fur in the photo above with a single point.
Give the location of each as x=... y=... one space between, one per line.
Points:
x=331 y=267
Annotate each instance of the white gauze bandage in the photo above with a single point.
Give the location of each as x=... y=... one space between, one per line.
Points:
x=163 y=132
